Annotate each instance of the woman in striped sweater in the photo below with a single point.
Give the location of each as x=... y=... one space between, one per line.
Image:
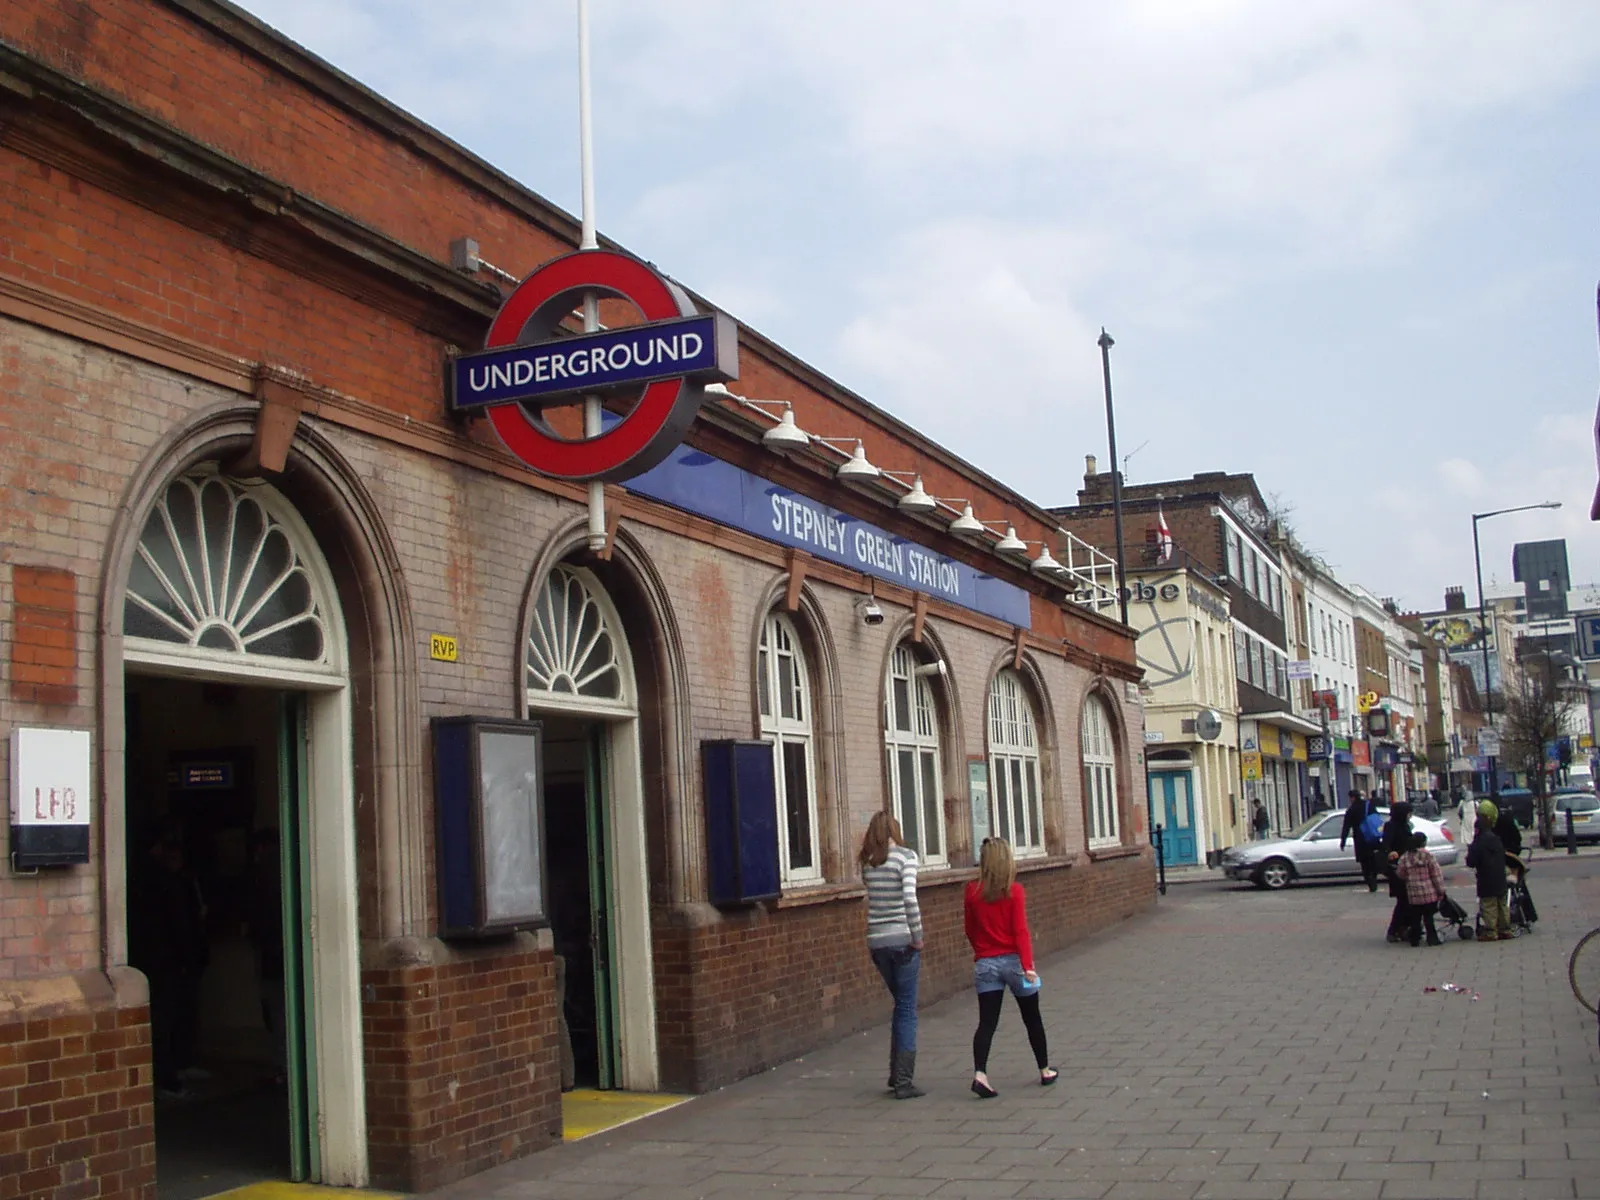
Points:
x=894 y=938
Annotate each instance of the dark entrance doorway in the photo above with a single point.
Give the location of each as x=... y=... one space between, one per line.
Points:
x=578 y=858
x=216 y=867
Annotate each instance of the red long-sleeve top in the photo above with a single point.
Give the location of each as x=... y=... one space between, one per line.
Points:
x=999 y=927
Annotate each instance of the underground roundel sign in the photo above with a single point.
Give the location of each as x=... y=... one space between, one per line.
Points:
x=530 y=363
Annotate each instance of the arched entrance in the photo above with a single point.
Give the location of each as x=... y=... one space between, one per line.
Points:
x=579 y=681
x=239 y=795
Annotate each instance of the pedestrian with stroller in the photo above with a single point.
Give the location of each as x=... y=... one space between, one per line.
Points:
x=1487 y=856
x=996 y=918
x=894 y=939
x=1424 y=884
x=1396 y=841
x=1356 y=829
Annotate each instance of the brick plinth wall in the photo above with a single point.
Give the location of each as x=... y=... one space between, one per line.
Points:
x=462 y=1059
x=739 y=993
x=77 y=1115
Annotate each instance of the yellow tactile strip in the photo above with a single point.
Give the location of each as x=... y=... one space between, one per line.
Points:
x=301 y=1191
x=586 y=1111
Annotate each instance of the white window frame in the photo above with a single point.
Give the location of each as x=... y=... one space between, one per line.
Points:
x=921 y=742
x=780 y=641
x=1103 y=817
x=1016 y=794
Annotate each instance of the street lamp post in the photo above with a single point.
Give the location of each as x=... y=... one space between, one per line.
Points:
x=1483 y=630
x=1105 y=344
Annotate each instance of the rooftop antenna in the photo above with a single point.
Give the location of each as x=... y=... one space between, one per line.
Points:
x=1129 y=455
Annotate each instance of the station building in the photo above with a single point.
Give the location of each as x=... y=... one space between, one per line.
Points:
x=250 y=558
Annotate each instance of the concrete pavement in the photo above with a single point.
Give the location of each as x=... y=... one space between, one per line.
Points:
x=1231 y=1044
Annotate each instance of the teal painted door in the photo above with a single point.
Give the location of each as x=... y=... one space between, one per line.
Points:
x=1172 y=803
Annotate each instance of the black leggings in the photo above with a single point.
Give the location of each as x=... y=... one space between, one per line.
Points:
x=989 y=1019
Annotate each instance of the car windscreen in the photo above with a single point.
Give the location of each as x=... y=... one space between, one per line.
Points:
x=1308 y=825
x=1577 y=802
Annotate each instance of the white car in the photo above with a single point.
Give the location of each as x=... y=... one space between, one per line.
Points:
x=1311 y=851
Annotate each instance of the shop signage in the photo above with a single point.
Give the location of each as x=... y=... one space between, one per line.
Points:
x=1209 y=604
x=530 y=362
x=1300 y=668
x=698 y=483
x=1360 y=753
x=1489 y=742
x=1317 y=747
x=1250 y=765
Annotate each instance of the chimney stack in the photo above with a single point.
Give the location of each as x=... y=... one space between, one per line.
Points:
x=1090 y=467
x=1455 y=599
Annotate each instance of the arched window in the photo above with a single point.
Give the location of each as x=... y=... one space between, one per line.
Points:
x=577 y=654
x=228 y=576
x=1014 y=764
x=785 y=688
x=1100 y=774
x=911 y=740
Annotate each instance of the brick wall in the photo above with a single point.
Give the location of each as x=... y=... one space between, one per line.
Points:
x=462 y=1062
x=743 y=992
x=76 y=1109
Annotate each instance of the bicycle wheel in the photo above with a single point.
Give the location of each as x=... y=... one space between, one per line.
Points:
x=1583 y=970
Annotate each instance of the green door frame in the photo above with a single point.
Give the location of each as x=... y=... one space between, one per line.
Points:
x=600 y=854
x=305 y=1149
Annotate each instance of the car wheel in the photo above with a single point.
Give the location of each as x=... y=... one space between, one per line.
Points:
x=1275 y=873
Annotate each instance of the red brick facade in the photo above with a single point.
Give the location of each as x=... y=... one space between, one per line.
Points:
x=75 y=1102
x=192 y=206
x=462 y=1064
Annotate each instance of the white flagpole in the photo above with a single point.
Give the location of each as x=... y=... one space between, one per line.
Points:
x=591 y=303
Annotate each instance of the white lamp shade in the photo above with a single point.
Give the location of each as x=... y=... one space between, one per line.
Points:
x=917 y=500
x=1011 y=543
x=786 y=435
x=857 y=466
x=1046 y=563
x=966 y=522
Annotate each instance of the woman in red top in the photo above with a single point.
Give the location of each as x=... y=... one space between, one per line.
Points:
x=997 y=927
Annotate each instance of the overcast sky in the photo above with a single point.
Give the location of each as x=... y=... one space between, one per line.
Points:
x=1349 y=246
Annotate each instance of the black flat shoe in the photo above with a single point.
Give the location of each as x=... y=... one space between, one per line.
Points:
x=983 y=1091
x=1047 y=1080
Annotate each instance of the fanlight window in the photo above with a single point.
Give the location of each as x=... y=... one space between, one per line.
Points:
x=223 y=569
x=574 y=648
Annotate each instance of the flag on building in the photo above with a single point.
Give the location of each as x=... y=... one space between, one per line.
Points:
x=1163 y=537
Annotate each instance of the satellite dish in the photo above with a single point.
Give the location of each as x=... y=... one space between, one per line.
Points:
x=1207 y=725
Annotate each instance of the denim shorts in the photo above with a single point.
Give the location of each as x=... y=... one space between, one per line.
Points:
x=1002 y=971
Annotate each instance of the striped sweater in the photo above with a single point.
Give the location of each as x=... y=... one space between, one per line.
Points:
x=893 y=918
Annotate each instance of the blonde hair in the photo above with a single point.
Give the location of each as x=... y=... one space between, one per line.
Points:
x=997 y=869
x=882 y=831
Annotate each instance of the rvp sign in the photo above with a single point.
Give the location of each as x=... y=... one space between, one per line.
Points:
x=529 y=364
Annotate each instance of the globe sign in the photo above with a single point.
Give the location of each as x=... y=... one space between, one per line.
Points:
x=530 y=362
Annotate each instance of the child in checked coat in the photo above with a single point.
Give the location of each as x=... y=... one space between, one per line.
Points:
x=1424 y=883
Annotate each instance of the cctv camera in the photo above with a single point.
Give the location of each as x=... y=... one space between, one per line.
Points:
x=934 y=668
x=871 y=614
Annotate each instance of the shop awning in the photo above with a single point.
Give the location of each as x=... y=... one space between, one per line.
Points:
x=1283 y=720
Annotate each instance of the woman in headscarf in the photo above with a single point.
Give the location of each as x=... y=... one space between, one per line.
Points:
x=1396 y=842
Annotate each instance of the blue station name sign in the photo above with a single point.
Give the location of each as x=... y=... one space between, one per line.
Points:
x=703 y=347
x=696 y=482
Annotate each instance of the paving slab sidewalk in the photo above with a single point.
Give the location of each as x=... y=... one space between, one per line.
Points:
x=1231 y=1044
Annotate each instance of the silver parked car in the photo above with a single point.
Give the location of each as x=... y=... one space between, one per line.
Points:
x=1311 y=851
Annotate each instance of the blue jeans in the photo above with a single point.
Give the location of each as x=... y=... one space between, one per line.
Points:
x=901 y=968
x=999 y=973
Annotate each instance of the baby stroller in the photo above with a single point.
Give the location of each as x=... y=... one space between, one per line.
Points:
x=1451 y=913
